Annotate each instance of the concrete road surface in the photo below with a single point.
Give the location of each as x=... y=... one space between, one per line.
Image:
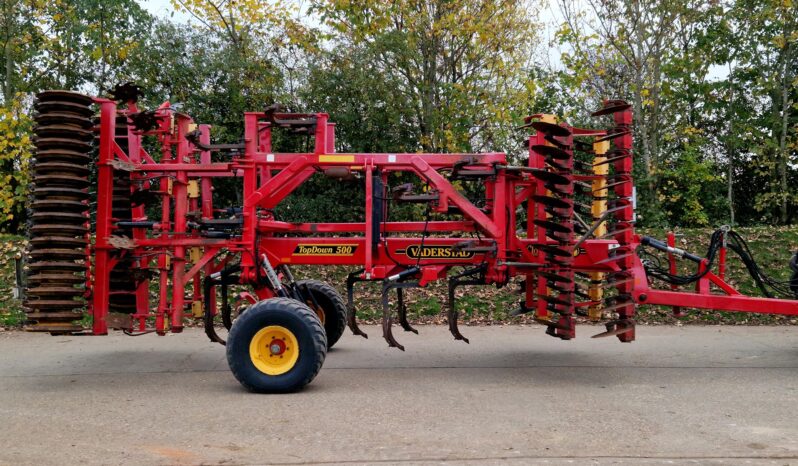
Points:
x=697 y=395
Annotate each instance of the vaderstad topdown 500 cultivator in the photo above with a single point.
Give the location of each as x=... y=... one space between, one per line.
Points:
x=563 y=220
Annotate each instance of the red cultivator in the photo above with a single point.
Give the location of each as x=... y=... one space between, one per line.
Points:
x=563 y=220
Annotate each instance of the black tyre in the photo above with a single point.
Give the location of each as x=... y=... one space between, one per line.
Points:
x=277 y=346
x=333 y=309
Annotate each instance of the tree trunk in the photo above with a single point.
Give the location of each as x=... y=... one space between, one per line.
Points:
x=730 y=146
x=7 y=50
x=785 y=117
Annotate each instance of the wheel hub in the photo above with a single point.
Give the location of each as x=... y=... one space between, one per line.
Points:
x=274 y=350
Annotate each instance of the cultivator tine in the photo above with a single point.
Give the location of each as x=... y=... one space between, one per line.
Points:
x=555 y=300
x=351 y=318
x=400 y=301
x=451 y=313
x=564 y=327
x=623 y=328
x=614 y=283
x=617 y=306
x=387 y=319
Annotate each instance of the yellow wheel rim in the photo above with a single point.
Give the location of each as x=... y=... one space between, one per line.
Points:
x=274 y=350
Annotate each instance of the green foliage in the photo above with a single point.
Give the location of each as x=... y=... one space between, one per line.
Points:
x=15 y=150
x=458 y=63
x=688 y=188
x=713 y=85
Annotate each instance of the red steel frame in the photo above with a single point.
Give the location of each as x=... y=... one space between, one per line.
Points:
x=267 y=178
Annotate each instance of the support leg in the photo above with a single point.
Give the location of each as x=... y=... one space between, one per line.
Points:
x=454 y=282
x=351 y=318
x=400 y=301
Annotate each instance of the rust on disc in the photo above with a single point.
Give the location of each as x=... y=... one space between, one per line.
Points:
x=53 y=328
x=62 y=106
x=50 y=266
x=63 y=155
x=55 y=278
x=43 y=205
x=61 y=179
x=58 y=253
x=54 y=291
x=47 y=143
x=63 y=118
x=53 y=304
x=55 y=229
x=69 y=194
x=64 y=96
x=61 y=167
x=63 y=131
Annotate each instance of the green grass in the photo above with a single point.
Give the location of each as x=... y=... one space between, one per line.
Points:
x=772 y=248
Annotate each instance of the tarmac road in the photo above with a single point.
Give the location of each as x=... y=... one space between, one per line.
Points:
x=696 y=395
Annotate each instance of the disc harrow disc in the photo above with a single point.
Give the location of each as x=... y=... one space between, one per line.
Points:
x=62 y=143
x=54 y=328
x=47 y=278
x=61 y=179
x=63 y=118
x=55 y=291
x=64 y=96
x=59 y=228
x=63 y=106
x=63 y=131
x=60 y=266
x=54 y=304
x=62 y=155
x=48 y=205
x=66 y=194
x=78 y=169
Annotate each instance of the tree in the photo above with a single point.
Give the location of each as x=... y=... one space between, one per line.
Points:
x=459 y=63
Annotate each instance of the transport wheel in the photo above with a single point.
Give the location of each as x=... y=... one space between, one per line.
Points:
x=331 y=308
x=277 y=346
